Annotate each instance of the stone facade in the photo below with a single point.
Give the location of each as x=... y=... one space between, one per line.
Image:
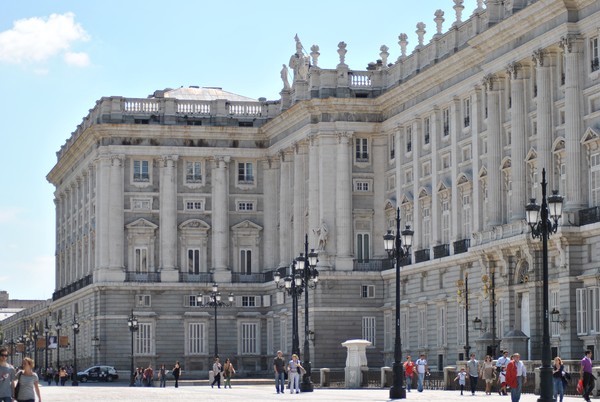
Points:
x=158 y=198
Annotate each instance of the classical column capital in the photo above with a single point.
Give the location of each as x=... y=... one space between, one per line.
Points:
x=538 y=57
x=344 y=136
x=570 y=43
x=489 y=82
x=513 y=70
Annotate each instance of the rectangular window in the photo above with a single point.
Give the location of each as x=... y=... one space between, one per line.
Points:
x=408 y=139
x=245 y=173
x=595 y=63
x=446 y=121
x=367 y=291
x=193 y=300
x=194 y=261
x=245 y=206
x=194 y=205
x=193 y=172
x=466 y=153
x=581 y=305
x=441 y=326
x=595 y=179
x=368 y=329
x=388 y=326
x=195 y=338
x=144 y=339
x=426 y=226
x=246 y=262
x=249 y=338
x=362 y=186
x=466 y=215
x=144 y=204
x=141 y=172
x=422 y=328
x=404 y=328
x=445 y=222
x=362 y=149
x=283 y=343
x=144 y=301
x=363 y=252
x=392 y=146
x=426 y=130
x=248 y=301
x=467 y=112
x=141 y=260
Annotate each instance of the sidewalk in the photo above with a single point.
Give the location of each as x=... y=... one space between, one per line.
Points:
x=253 y=393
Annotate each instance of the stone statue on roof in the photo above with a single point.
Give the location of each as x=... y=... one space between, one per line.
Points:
x=299 y=62
x=284 y=77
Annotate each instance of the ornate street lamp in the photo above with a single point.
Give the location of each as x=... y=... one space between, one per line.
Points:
x=398 y=248
x=58 y=326
x=463 y=298
x=539 y=219
x=34 y=334
x=46 y=333
x=215 y=301
x=75 y=326
x=307 y=267
x=132 y=323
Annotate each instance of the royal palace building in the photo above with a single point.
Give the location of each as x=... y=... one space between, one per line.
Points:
x=158 y=198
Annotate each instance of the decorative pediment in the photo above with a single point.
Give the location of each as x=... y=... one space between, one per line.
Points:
x=141 y=224
x=463 y=179
x=506 y=163
x=407 y=198
x=531 y=155
x=443 y=185
x=558 y=145
x=482 y=173
x=194 y=224
x=389 y=204
x=246 y=226
x=591 y=139
x=424 y=192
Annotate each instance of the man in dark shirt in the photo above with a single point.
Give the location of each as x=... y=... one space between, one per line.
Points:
x=279 y=368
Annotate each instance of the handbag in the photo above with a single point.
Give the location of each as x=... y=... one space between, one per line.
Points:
x=17 y=386
x=580 y=386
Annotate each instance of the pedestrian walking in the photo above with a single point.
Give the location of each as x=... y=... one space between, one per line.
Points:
x=7 y=374
x=488 y=374
x=461 y=377
x=63 y=376
x=294 y=369
x=29 y=385
x=558 y=376
x=422 y=369
x=228 y=372
x=409 y=372
x=516 y=376
x=586 y=374
x=279 y=369
x=162 y=376
x=49 y=375
x=149 y=376
x=502 y=361
x=176 y=373
x=502 y=381
x=216 y=373
x=473 y=372
x=139 y=377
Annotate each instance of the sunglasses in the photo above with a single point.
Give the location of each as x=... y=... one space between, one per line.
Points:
x=3 y=355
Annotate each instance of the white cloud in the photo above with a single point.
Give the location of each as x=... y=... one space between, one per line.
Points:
x=9 y=214
x=77 y=59
x=36 y=40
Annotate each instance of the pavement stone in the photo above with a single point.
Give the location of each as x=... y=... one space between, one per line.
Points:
x=252 y=393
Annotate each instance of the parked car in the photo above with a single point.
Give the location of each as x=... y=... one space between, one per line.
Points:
x=98 y=373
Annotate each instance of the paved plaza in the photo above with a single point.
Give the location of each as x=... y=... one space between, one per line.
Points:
x=249 y=393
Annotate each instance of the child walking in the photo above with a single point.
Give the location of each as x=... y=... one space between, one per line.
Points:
x=462 y=378
x=502 y=381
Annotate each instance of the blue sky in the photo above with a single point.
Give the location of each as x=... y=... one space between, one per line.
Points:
x=58 y=57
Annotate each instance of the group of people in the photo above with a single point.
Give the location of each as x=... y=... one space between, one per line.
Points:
x=59 y=376
x=293 y=369
x=225 y=370
x=21 y=385
x=145 y=377
x=420 y=367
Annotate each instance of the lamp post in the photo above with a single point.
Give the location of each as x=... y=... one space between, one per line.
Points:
x=463 y=297
x=308 y=271
x=58 y=326
x=34 y=334
x=395 y=249
x=215 y=301
x=12 y=349
x=292 y=285
x=489 y=286
x=132 y=323
x=538 y=219
x=75 y=326
x=46 y=333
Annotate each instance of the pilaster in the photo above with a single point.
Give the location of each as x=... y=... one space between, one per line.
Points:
x=544 y=114
x=168 y=218
x=220 y=219
x=343 y=201
x=494 y=183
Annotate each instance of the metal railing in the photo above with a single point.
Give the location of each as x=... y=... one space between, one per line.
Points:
x=237 y=277
x=442 y=250
x=142 y=277
x=372 y=265
x=202 y=277
x=73 y=287
x=461 y=246
x=422 y=255
x=589 y=215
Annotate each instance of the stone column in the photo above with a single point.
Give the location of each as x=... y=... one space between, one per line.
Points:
x=518 y=116
x=544 y=116
x=327 y=205
x=59 y=238
x=476 y=200
x=271 y=200
x=103 y=164
x=168 y=218
x=313 y=189
x=116 y=224
x=343 y=200
x=299 y=197
x=285 y=210
x=220 y=220
x=576 y=182
x=494 y=183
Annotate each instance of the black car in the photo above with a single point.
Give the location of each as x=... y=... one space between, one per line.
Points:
x=98 y=373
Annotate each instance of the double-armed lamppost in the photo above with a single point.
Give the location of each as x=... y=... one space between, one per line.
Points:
x=544 y=222
x=398 y=246
x=215 y=301
x=46 y=333
x=132 y=323
x=75 y=326
x=463 y=298
x=58 y=326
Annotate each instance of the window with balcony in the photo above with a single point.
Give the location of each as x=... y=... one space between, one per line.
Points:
x=193 y=172
x=141 y=171
x=446 y=121
x=193 y=260
x=594 y=61
x=426 y=130
x=467 y=112
x=408 y=139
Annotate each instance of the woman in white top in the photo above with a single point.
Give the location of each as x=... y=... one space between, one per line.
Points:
x=294 y=369
x=29 y=382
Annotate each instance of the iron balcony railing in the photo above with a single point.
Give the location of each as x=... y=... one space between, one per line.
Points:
x=422 y=255
x=373 y=265
x=442 y=250
x=237 y=277
x=202 y=277
x=142 y=277
x=73 y=287
x=589 y=215
x=461 y=246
